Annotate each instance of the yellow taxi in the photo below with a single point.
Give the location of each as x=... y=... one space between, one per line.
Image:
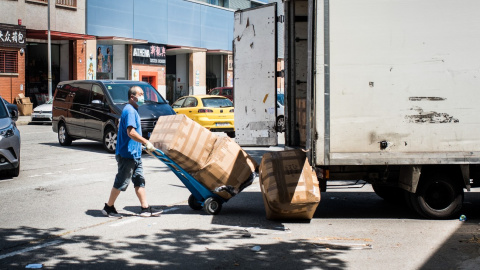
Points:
x=212 y=112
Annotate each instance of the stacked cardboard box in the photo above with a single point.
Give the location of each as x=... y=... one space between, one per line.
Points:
x=217 y=162
x=289 y=185
x=227 y=168
x=24 y=105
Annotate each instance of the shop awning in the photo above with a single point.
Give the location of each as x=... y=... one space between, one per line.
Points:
x=218 y=52
x=56 y=35
x=174 y=50
x=120 y=40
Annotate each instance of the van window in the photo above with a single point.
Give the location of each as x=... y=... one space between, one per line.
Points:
x=97 y=93
x=215 y=92
x=227 y=91
x=81 y=93
x=119 y=93
x=62 y=92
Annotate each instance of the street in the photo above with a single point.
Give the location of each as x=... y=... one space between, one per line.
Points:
x=51 y=215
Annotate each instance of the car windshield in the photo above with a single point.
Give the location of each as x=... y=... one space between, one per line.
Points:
x=119 y=93
x=3 y=111
x=281 y=99
x=216 y=102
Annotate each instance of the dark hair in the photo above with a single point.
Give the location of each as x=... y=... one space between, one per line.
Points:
x=132 y=91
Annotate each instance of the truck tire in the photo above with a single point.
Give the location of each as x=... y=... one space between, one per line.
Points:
x=110 y=140
x=438 y=196
x=63 y=138
x=389 y=194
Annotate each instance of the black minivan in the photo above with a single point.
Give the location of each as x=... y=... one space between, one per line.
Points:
x=91 y=110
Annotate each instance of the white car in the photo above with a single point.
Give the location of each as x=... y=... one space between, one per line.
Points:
x=280 y=113
x=43 y=113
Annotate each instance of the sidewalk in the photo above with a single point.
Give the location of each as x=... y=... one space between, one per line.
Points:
x=24 y=120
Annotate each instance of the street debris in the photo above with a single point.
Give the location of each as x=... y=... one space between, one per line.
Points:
x=462 y=218
x=343 y=246
x=256 y=248
x=34 y=266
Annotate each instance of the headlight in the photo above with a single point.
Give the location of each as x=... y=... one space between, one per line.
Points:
x=7 y=132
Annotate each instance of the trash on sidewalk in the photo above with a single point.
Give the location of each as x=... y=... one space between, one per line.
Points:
x=24 y=105
x=462 y=218
x=34 y=266
x=256 y=248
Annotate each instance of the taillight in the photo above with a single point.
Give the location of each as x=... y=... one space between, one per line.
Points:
x=231 y=110
x=204 y=110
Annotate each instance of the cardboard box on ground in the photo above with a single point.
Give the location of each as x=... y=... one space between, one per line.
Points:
x=289 y=185
x=24 y=105
x=217 y=162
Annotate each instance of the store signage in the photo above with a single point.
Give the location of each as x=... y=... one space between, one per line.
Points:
x=13 y=35
x=151 y=54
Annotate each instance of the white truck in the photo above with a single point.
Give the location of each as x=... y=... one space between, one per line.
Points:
x=387 y=91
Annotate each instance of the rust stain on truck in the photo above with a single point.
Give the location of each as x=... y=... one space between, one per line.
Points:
x=430 y=117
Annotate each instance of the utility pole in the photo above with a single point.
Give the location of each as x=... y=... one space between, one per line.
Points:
x=49 y=57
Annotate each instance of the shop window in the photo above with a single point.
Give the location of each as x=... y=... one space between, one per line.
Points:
x=8 y=62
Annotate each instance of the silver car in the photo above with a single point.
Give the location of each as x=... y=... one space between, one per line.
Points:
x=9 y=142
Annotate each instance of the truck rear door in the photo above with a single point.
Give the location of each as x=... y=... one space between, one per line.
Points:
x=255 y=82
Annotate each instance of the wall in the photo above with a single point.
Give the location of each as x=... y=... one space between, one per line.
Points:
x=173 y=22
x=34 y=15
x=119 y=62
x=10 y=84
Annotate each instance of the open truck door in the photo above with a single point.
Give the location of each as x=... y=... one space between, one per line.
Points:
x=255 y=80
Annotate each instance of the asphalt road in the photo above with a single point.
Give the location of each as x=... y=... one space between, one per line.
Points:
x=50 y=215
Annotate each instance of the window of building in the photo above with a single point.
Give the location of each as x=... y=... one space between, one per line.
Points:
x=67 y=3
x=8 y=62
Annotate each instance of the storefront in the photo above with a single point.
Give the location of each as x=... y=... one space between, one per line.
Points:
x=12 y=60
x=149 y=65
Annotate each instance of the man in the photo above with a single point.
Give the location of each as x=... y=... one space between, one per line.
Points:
x=128 y=155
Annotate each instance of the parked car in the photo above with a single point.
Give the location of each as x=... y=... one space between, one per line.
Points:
x=280 y=112
x=91 y=110
x=43 y=113
x=12 y=109
x=222 y=91
x=9 y=142
x=212 y=112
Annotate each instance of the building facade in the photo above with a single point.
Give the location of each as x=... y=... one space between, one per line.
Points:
x=181 y=47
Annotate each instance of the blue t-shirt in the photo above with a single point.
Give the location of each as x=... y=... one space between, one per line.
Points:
x=126 y=147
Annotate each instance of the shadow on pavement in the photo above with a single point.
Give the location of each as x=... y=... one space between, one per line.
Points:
x=172 y=249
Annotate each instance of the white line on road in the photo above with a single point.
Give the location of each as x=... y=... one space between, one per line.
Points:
x=30 y=249
x=131 y=220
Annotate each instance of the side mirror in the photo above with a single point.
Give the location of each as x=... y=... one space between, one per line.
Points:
x=168 y=102
x=97 y=103
x=14 y=115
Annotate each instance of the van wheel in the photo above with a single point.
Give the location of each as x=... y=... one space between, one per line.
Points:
x=63 y=138
x=110 y=140
x=437 y=196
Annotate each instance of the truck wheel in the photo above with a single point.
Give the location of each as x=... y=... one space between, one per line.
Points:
x=389 y=194
x=110 y=140
x=438 y=196
x=212 y=206
x=63 y=138
x=193 y=203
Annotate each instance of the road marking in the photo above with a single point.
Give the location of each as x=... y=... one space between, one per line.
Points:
x=134 y=219
x=30 y=249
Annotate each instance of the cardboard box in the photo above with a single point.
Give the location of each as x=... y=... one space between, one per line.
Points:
x=24 y=105
x=184 y=141
x=289 y=185
x=228 y=169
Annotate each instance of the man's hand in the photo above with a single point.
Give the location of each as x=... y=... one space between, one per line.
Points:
x=149 y=146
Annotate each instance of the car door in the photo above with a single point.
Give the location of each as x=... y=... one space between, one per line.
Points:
x=97 y=113
x=188 y=107
x=80 y=94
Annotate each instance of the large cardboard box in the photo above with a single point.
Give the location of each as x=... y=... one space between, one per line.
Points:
x=289 y=185
x=24 y=105
x=228 y=169
x=184 y=141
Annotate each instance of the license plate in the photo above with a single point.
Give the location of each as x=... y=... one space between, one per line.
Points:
x=222 y=124
x=41 y=116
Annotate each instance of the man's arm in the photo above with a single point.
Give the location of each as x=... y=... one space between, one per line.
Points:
x=133 y=134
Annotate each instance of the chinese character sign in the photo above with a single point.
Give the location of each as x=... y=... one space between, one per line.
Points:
x=151 y=54
x=12 y=35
